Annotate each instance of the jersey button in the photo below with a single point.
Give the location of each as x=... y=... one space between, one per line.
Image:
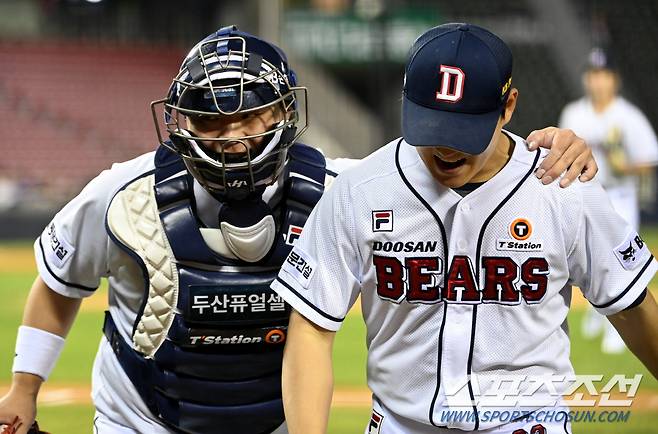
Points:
x=466 y=207
x=462 y=245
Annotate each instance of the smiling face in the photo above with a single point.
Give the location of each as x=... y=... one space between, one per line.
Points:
x=454 y=169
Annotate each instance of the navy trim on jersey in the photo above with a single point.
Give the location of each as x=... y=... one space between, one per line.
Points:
x=566 y=421
x=445 y=276
x=142 y=266
x=57 y=278
x=331 y=172
x=628 y=288
x=311 y=305
x=478 y=253
x=438 y=376
x=638 y=300
x=474 y=317
x=524 y=416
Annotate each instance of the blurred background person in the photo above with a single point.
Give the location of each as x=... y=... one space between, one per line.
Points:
x=625 y=147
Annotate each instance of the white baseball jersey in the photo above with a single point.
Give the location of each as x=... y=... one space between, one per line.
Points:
x=454 y=286
x=74 y=252
x=621 y=124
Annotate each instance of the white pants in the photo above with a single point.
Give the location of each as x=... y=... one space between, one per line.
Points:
x=386 y=422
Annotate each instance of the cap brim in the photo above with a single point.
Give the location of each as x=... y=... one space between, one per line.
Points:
x=464 y=132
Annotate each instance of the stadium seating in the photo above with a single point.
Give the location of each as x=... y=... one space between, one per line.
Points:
x=70 y=109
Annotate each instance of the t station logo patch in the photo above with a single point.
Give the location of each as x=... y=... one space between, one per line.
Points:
x=382 y=221
x=520 y=230
x=275 y=336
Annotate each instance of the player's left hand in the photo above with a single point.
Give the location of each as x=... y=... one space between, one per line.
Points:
x=567 y=152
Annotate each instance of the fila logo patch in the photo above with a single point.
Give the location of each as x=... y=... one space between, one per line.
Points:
x=632 y=252
x=375 y=425
x=452 y=84
x=382 y=221
x=293 y=233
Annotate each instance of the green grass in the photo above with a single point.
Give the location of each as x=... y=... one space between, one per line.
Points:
x=77 y=358
x=349 y=420
x=650 y=235
x=350 y=353
x=587 y=358
x=66 y=419
x=349 y=363
x=638 y=423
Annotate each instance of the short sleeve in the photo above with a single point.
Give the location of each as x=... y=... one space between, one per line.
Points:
x=640 y=139
x=319 y=278
x=609 y=260
x=72 y=251
x=338 y=165
x=335 y=166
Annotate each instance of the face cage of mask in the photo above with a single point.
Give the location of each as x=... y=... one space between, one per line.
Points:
x=219 y=171
x=236 y=179
x=237 y=185
x=218 y=175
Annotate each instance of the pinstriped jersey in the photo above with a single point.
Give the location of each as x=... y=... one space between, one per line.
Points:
x=457 y=292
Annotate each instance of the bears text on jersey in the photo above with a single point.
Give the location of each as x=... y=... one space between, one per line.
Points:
x=421 y=280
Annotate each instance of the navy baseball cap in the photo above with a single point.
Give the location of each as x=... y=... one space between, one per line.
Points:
x=456 y=83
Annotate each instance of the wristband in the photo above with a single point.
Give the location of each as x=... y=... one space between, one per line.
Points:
x=37 y=351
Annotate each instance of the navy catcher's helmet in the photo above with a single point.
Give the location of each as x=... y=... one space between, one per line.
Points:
x=228 y=73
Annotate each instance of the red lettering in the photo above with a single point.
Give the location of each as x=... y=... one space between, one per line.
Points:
x=423 y=275
x=460 y=275
x=389 y=277
x=422 y=285
x=499 y=277
x=538 y=429
x=534 y=273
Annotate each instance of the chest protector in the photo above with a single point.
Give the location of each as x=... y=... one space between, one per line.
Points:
x=208 y=340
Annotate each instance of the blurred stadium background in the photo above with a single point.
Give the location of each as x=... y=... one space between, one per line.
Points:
x=77 y=76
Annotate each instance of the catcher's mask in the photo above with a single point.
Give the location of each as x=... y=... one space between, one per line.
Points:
x=232 y=73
